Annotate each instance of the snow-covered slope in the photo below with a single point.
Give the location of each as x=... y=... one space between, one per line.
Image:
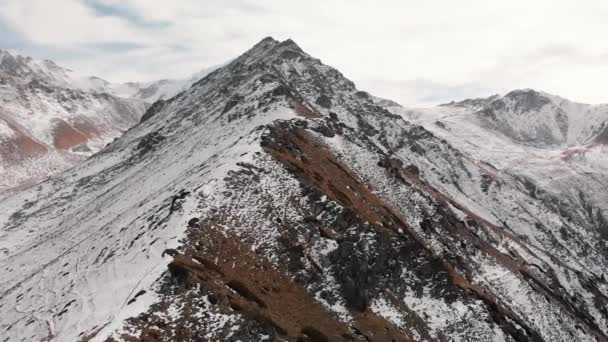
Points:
x=272 y=200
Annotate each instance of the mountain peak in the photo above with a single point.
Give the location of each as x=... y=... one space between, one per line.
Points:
x=526 y=100
x=265 y=44
x=27 y=68
x=268 y=40
x=10 y=63
x=528 y=91
x=269 y=49
x=472 y=103
x=289 y=43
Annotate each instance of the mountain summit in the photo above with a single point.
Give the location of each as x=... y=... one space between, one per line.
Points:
x=28 y=68
x=272 y=200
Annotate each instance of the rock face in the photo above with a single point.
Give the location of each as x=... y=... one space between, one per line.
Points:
x=50 y=120
x=272 y=200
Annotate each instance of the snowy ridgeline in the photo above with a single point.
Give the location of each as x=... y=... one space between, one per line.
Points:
x=436 y=226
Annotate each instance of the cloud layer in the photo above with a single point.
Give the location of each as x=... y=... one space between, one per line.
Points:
x=415 y=52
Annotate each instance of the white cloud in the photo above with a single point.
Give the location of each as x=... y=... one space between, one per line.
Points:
x=405 y=50
x=64 y=23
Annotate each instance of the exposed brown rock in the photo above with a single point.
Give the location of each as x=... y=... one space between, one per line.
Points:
x=244 y=282
x=65 y=136
x=87 y=128
x=21 y=145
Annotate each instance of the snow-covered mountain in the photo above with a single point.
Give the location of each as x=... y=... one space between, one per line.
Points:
x=272 y=200
x=571 y=171
x=28 y=69
x=52 y=118
x=540 y=119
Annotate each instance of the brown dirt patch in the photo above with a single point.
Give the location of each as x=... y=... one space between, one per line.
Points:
x=65 y=136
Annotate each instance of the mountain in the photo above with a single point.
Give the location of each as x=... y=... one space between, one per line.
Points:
x=273 y=200
x=28 y=69
x=51 y=119
x=541 y=119
x=572 y=176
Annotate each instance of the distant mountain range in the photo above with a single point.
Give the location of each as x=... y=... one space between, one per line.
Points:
x=541 y=119
x=52 y=118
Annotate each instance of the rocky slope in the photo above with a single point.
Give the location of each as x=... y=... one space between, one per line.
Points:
x=272 y=200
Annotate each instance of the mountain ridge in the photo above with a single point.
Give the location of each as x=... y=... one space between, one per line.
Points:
x=273 y=185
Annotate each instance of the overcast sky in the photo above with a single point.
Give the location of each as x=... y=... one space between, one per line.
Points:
x=416 y=52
